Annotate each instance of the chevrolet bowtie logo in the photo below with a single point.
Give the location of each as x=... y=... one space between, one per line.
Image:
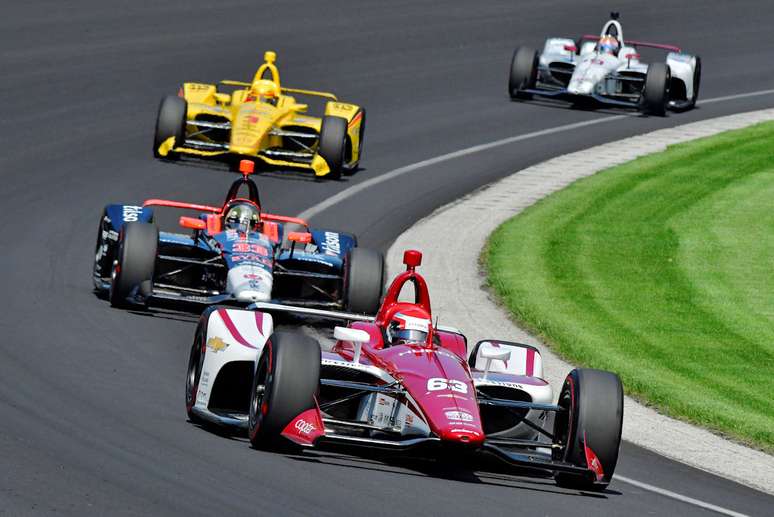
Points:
x=216 y=344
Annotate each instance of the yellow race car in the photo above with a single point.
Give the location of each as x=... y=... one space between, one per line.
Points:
x=260 y=119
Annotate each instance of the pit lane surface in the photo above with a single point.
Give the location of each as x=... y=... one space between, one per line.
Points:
x=91 y=398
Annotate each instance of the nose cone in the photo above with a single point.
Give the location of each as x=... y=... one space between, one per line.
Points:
x=250 y=284
x=582 y=87
x=250 y=128
x=252 y=296
x=462 y=435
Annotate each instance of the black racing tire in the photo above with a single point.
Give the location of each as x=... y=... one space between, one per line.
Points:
x=696 y=83
x=170 y=121
x=593 y=402
x=285 y=383
x=333 y=142
x=363 y=280
x=135 y=260
x=523 y=74
x=655 y=94
x=103 y=253
x=194 y=372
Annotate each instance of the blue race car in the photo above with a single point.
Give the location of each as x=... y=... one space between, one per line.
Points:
x=233 y=254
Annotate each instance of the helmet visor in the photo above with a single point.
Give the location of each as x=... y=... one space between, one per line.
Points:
x=402 y=336
x=242 y=219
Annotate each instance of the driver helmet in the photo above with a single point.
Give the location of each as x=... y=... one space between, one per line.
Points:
x=243 y=217
x=608 y=45
x=409 y=325
x=265 y=90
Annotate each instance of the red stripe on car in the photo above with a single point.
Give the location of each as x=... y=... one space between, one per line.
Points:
x=223 y=313
x=530 y=362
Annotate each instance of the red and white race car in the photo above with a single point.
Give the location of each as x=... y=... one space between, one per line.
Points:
x=399 y=382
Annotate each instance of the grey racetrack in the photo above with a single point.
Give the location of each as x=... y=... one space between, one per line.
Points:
x=92 y=417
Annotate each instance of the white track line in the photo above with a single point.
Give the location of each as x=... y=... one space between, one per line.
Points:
x=678 y=497
x=354 y=189
x=735 y=97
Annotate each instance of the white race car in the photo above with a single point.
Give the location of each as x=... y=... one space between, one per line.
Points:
x=607 y=69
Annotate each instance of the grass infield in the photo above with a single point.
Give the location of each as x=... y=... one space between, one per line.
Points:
x=662 y=270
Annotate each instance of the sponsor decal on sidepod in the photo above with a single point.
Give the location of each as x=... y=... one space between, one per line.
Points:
x=331 y=244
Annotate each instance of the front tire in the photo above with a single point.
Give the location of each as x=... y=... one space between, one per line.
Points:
x=284 y=386
x=333 y=140
x=523 y=73
x=656 y=94
x=135 y=261
x=170 y=121
x=363 y=280
x=593 y=418
x=193 y=375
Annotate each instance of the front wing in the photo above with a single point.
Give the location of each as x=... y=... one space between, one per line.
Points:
x=309 y=430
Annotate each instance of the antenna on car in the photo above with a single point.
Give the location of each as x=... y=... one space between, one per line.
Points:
x=614 y=15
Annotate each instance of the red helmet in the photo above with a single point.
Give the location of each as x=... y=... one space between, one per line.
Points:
x=408 y=324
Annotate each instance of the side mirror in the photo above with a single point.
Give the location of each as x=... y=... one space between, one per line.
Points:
x=350 y=334
x=301 y=107
x=192 y=223
x=302 y=237
x=491 y=353
x=495 y=354
x=356 y=336
x=223 y=98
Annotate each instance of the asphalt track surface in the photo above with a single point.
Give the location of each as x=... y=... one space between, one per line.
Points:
x=92 y=416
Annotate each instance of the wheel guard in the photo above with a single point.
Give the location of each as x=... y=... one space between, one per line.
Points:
x=306 y=428
x=592 y=461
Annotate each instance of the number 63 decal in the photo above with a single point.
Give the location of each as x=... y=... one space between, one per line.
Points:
x=439 y=383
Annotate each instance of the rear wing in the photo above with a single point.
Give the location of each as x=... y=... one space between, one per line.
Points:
x=633 y=43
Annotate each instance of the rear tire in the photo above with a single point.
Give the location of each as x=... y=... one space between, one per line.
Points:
x=284 y=386
x=594 y=417
x=363 y=280
x=656 y=94
x=333 y=139
x=136 y=260
x=170 y=121
x=523 y=73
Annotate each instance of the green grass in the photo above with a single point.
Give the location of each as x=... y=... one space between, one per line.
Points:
x=661 y=270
